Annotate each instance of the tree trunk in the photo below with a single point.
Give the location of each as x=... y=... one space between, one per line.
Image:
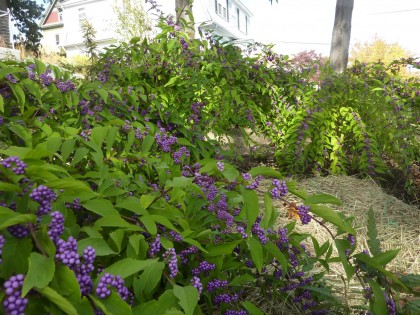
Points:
x=4 y=25
x=340 y=42
x=182 y=9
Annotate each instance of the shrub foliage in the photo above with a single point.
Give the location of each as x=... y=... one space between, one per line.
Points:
x=113 y=200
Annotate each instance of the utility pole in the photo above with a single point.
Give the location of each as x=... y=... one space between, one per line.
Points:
x=340 y=42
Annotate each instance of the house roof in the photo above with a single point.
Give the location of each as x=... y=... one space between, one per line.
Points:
x=48 y=12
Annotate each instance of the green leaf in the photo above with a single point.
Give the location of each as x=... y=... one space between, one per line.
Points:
x=385 y=257
x=147 y=143
x=146 y=200
x=65 y=283
x=322 y=198
x=378 y=305
x=114 y=220
x=128 y=266
x=251 y=207
x=40 y=273
x=33 y=88
x=239 y=280
x=19 y=94
x=103 y=207
x=251 y=308
x=9 y=217
x=112 y=305
x=16 y=253
x=275 y=251
x=188 y=298
x=150 y=277
x=333 y=217
x=67 y=148
x=1 y=104
x=79 y=155
x=132 y=204
x=268 y=204
x=22 y=133
x=342 y=245
x=10 y=187
x=265 y=171
x=70 y=185
x=98 y=135
x=221 y=249
x=372 y=234
x=104 y=95
x=256 y=250
x=149 y=224
x=374 y=264
x=58 y=300
x=101 y=247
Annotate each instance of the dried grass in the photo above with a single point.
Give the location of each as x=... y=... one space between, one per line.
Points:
x=398 y=226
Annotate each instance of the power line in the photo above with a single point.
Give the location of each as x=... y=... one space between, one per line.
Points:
x=399 y=11
x=286 y=42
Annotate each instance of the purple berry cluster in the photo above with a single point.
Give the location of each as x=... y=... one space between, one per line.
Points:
x=64 y=86
x=220 y=166
x=235 y=312
x=216 y=284
x=75 y=205
x=255 y=183
x=165 y=141
x=170 y=254
x=108 y=280
x=303 y=213
x=196 y=112
x=204 y=267
x=11 y=78
x=46 y=77
x=279 y=190
x=13 y=303
x=258 y=231
x=44 y=196
x=196 y=282
x=84 y=269
x=13 y=162
x=176 y=236
x=56 y=226
x=241 y=230
x=178 y=154
x=390 y=304
x=67 y=252
x=2 y=241
x=186 y=252
x=225 y=298
x=155 y=246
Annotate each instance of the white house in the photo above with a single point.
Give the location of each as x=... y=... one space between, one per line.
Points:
x=61 y=25
x=230 y=19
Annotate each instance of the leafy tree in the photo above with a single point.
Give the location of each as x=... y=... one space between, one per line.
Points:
x=378 y=50
x=24 y=16
x=89 y=35
x=132 y=20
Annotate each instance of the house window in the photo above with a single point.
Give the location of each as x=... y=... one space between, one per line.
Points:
x=246 y=24
x=57 y=39
x=82 y=15
x=222 y=9
x=237 y=17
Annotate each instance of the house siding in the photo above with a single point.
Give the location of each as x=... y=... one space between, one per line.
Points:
x=97 y=12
